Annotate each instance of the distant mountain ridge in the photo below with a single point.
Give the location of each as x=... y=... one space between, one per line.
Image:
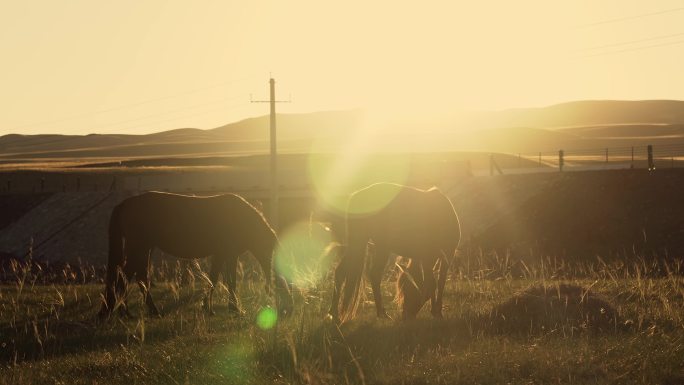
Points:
x=572 y=124
x=588 y=113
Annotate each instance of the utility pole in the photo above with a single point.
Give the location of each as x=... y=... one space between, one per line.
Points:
x=274 y=153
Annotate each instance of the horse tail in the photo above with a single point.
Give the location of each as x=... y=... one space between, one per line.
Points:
x=114 y=260
x=352 y=266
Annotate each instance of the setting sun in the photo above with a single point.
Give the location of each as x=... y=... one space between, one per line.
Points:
x=138 y=68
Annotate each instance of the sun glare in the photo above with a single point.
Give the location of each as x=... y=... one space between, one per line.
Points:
x=335 y=175
x=301 y=257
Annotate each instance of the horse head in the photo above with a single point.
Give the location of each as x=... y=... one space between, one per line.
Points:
x=413 y=290
x=264 y=254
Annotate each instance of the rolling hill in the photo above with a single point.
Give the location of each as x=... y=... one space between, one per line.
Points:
x=586 y=113
x=574 y=125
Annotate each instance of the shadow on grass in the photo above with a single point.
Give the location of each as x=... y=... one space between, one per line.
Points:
x=362 y=349
x=49 y=339
x=354 y=350
x=52 y=334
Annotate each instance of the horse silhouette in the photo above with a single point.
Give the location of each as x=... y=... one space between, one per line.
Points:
x=418 y=224
x=188 y=227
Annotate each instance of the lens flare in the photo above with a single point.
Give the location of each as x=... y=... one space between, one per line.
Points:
x=341 y=165
x=335 y=177
x=267 y=318
x=302 y=256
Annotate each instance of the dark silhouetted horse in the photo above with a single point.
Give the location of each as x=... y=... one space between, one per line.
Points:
x=417 y=224
x=222 y=226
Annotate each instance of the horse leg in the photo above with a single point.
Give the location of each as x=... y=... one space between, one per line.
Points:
x=378 y=262
x=217 y=264
x=341 y=272
x=231 y=271
x=138 y=266
x=436 y=305
x=144 y=282
x=127 y=273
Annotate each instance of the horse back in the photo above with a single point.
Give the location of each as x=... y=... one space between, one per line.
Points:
x=410 y=221
x=188 y=226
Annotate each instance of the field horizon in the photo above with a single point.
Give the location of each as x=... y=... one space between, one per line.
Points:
x=579 y=125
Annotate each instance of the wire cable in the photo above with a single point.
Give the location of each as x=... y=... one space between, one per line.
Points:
x=620 y=19
x=135 y=104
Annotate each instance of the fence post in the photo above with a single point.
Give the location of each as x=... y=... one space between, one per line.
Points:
x=540 y=159
x=651 y=165
x=561 y=161
x=606 y=154
x=632 y=164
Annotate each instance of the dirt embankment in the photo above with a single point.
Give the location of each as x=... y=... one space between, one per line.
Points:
x=582 y=215
x=14 y=206
x=570 y=215
x=63 y=227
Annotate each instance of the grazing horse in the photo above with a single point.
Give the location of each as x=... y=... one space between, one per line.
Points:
x=222 y=226
x=417 y=224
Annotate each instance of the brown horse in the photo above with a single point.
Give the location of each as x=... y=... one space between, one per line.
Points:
x=417 y=224
x=188 y=227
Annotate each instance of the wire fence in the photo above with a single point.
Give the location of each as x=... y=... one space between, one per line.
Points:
x=649 y=157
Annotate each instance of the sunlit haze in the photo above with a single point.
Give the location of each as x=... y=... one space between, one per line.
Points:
x=83 y=67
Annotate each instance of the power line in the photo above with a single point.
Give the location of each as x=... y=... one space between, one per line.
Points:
x=631 y=42
x=616 y=20
x=136 y=104
x=177 y=118
x=635 y=49
x=167 y=112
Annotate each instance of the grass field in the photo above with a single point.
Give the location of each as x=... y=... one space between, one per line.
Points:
x=48 y=335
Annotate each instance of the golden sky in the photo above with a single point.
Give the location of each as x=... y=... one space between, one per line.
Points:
x=83 y=66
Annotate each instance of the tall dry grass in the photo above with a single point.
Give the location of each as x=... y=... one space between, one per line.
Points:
x=49 y=333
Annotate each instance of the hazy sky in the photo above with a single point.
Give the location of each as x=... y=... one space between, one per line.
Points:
x=82 y=66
